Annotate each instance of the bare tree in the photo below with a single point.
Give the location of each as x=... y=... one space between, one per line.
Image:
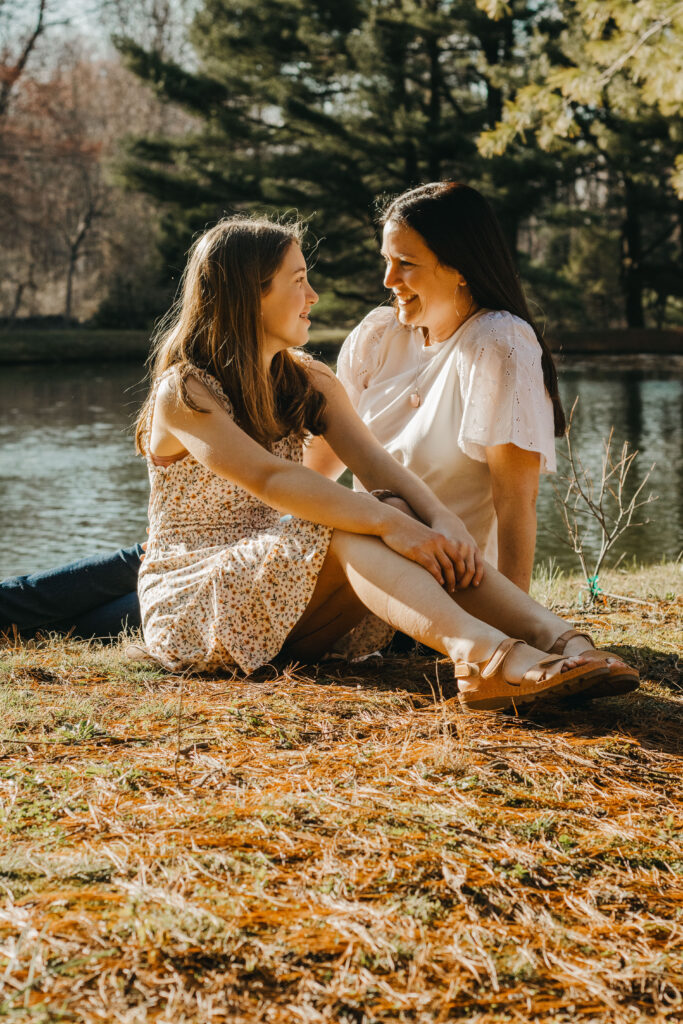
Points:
x=585 y=502
x=157 y=25
x=20 y=31
x=69 y=236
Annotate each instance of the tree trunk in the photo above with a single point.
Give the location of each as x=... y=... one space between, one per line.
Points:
x=75 y=251
x=395 y=48
x=631 y=258
x=18 y=295
x=434 y=110
x=68 y=299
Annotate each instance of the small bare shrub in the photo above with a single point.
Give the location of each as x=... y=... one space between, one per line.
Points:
x=584 y=500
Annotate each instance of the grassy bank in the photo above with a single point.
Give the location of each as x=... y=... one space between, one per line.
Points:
x=36 y=345
x=341 y=844
x=84 y=344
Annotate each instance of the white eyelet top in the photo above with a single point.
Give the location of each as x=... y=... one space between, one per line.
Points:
x=483 y=386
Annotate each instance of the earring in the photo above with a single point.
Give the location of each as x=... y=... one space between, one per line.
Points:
x=462 y=316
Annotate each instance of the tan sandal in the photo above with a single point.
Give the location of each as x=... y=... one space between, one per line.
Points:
x=491 y=690
x=621 y=678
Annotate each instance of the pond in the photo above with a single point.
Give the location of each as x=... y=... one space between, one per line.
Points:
x=72 y=485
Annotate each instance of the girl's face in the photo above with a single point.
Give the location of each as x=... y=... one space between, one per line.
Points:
x=286 y=304
x=428 y=294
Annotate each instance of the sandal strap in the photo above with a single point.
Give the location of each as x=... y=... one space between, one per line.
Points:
x=562 y=641
x=537 y=670
x=495 y=662
x=465 y=669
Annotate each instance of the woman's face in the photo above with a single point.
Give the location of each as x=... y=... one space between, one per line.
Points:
x=287 y=303
x=425 y=289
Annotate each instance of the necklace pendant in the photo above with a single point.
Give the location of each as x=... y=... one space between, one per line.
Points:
x=415 y=399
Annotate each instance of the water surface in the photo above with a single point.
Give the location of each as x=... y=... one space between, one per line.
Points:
x=70 y=483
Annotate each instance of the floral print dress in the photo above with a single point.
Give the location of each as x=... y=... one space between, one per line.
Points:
x=225 y=577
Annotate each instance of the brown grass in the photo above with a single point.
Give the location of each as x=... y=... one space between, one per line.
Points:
x=338 y=844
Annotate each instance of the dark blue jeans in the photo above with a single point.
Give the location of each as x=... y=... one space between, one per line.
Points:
x=95 y=596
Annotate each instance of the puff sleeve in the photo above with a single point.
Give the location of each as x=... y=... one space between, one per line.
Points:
x=359 y=354
x=503 y=392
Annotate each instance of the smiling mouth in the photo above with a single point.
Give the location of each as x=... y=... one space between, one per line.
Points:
x=405 y=300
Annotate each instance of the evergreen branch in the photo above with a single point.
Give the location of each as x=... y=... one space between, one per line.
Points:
x=194 y=92
x=619 y=63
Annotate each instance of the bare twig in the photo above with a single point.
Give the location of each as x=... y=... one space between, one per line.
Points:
x=603 y=501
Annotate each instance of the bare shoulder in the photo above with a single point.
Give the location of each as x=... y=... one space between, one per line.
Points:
x=169 y=393
x=319 y=371
x=322 y=377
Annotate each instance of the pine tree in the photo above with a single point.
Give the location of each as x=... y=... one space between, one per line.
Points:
x=323 y=105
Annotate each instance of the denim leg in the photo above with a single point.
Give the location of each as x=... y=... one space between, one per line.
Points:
x=69 y=595
x=107 y=620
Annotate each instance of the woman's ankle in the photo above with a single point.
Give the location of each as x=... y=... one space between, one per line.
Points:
x=547 y=635
x=474 y=650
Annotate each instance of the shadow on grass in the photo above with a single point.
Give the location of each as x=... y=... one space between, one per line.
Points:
x=653 y=665
x=649 y=716
x=652 y=719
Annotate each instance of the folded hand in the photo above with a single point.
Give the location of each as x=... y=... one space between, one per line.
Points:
x=453 y=562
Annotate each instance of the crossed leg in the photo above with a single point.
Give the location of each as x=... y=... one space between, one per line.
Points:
x=361 y=573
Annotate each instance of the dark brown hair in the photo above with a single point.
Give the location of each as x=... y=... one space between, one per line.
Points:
x=463 y=232
x=216 y=325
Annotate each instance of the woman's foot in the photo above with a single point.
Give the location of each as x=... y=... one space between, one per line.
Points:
x=621 y=678
x=517 y=676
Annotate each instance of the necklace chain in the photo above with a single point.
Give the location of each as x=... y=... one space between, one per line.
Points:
x=415 y=398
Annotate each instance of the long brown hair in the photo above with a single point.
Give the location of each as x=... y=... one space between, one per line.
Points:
x=463 y=232
x=216 y=325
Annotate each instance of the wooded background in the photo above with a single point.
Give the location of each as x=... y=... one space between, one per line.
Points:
x=126 y=126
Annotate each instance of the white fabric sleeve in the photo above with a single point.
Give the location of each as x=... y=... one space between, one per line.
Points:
x=358 y=356
x=503 y=392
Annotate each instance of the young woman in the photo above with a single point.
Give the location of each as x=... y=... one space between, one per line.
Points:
x=251 y=553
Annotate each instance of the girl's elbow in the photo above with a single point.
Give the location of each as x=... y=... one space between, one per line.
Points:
x=270 y=485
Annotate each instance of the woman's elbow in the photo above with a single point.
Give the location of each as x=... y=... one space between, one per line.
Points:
x=517 y=502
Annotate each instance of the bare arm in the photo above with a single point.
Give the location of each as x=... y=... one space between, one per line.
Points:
x=319 y=456
x=514 y=481
x=356 y=447
x=216 y=441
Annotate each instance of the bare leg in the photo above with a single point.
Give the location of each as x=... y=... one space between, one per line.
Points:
x=332 y=611
x=361 y=573
x=502 y=604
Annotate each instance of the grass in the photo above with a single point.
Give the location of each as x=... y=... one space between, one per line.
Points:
x=341 y=843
